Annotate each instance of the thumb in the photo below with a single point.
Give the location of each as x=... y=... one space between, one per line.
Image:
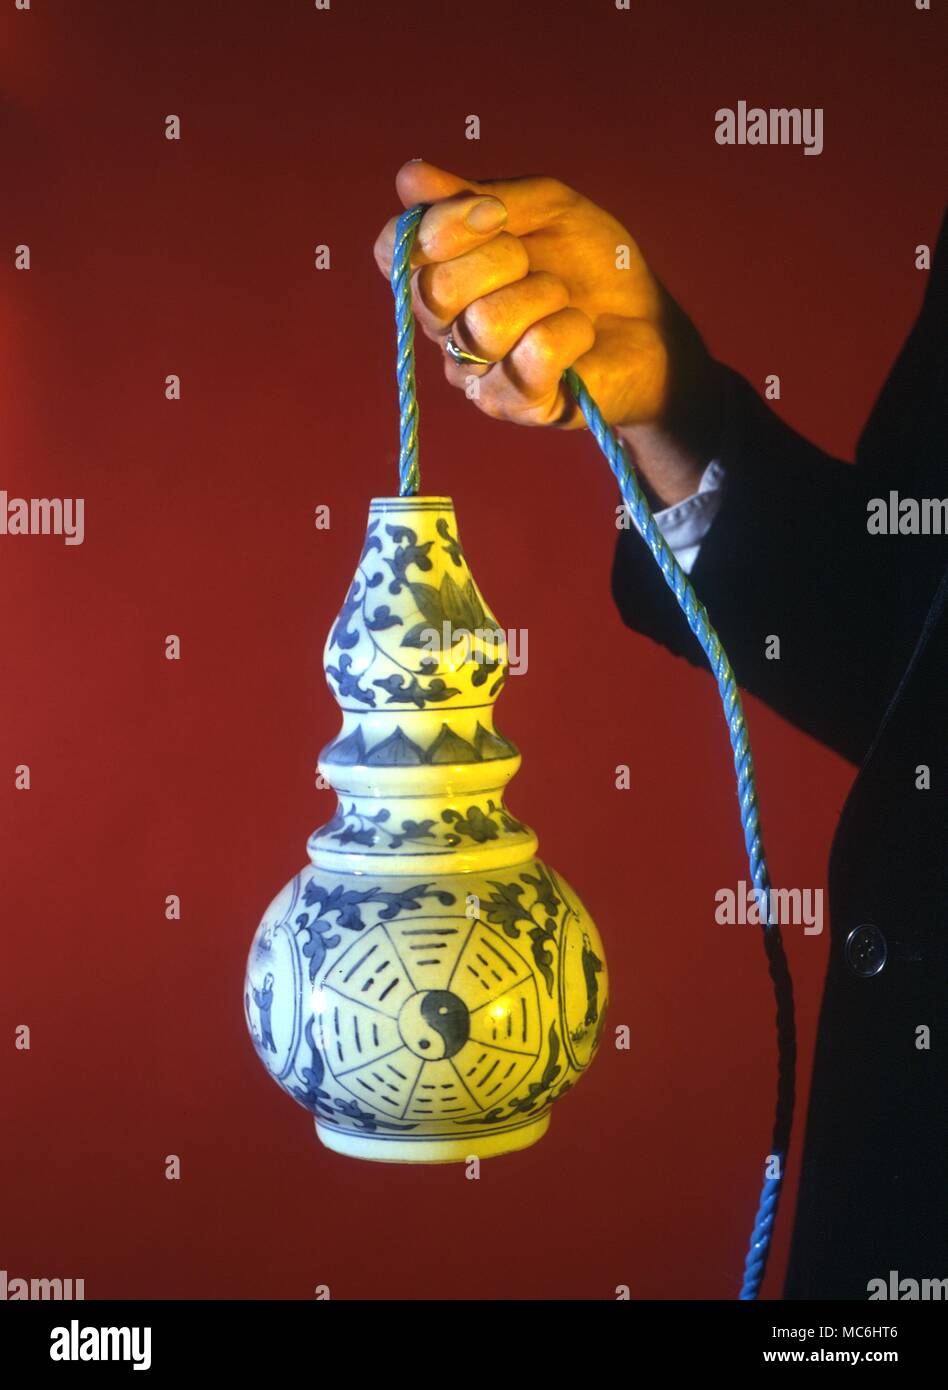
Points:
x=421 y=182
x=531 y=201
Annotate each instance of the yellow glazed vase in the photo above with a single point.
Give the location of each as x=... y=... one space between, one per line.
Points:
x=426 y=986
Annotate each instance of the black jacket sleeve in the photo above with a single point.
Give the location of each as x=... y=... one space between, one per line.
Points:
x=789 y=554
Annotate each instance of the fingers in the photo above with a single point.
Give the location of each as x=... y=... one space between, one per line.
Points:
x=531 y=202
x=448 y=229
x=473 y=278
x=535 y=365
x=444 y=291
x=625 y=372
x=493 y=324
x=623 y=362
x=465 y=213
x=526 y=386
x=458 y=225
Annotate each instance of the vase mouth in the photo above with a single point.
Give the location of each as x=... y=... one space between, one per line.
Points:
x=423 y=503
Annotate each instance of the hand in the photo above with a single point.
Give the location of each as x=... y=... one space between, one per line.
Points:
x=526 y=273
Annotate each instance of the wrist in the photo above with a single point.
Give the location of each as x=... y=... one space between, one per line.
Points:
x=669 y=469
x=688 y=433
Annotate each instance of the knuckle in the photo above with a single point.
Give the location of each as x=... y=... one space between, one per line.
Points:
x=554 y=191
x=552 y=288
x=485 y=321
x=439 y=241
x=513 y=252
x=441 y=288
x=539 y=345
x=585 y=331
x=431 y=289
x=426 y=319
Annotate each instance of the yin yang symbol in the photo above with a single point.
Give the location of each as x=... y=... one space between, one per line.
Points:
x=434 y=1024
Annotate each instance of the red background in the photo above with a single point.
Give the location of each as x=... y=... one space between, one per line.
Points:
x=196 y=777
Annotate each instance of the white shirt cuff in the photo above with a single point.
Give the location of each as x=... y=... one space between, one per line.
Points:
x=686 y=524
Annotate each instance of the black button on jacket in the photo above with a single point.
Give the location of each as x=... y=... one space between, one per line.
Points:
x=866 y=619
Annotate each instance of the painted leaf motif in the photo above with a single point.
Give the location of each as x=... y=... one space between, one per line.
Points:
x=484 y=670
x=474 y=604
x=543 y=888
x=437 y=690
x=403 y=557
x=353 y=836
x=348 y=683
x=342 y=635
x=417 y=829
x=382 y=618
x=372 y=542
x=409 y=899
x=413 y=692
x=400 y=534
x=421 y=636
x=429 y=602
x=453 y=602
x=460 y=608
x=475 y=825
x=504 y=907
x=452 y=548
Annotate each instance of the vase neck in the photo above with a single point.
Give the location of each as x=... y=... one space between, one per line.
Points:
x=415 y=661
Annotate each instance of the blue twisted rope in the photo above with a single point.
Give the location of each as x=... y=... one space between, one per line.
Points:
x=698 y=621
x=408 y=475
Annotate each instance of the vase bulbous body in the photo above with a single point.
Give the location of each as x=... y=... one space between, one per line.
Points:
x=426 y=987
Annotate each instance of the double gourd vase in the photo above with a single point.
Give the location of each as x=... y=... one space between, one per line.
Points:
x=426 y=986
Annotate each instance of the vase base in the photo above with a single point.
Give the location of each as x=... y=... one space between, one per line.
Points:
x=430 y=1148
